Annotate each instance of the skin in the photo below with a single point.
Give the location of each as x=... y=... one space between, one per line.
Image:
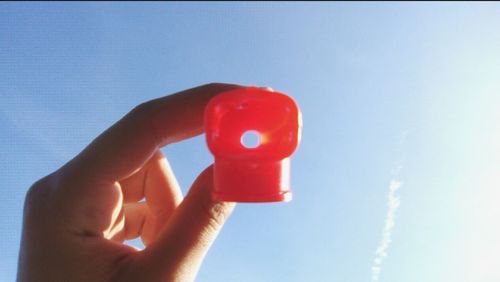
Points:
x=76 y=219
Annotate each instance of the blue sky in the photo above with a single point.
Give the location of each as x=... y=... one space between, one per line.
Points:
x=404 y=93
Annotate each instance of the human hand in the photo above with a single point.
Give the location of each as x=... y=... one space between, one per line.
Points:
x=76 y=219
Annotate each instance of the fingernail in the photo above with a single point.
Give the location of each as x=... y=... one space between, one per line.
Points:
x=267 y=88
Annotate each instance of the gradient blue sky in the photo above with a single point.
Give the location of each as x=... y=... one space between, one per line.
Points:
x=404 y=92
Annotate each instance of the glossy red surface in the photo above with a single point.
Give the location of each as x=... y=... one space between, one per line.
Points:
x=260 y=174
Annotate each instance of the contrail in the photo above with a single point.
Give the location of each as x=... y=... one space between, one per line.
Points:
x=393 y=204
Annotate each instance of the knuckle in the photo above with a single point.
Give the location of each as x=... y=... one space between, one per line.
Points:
x=38 y=194
x=32 y=194
x=142 y=118
x=143 y=108
x=215 y=85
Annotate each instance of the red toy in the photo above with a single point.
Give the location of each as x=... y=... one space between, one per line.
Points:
x=258 y=172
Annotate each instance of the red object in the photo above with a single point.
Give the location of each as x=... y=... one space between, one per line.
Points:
x=252 y=173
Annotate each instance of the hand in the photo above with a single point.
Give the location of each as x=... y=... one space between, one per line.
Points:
x=76 y=219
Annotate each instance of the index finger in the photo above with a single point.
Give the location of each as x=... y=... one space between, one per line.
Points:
x=124 y=147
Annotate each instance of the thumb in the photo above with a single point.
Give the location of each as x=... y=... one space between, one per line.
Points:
x=178 y=251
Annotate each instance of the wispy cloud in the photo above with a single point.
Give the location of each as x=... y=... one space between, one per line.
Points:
x=381 y=252
x=393 y=203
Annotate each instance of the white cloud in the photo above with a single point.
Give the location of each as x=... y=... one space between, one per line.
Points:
x=393 y=203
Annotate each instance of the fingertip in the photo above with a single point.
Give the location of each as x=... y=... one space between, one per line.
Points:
x=202 y=189
x=192 y=229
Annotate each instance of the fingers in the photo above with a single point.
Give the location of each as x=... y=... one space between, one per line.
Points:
x=182 y=245
x=87 y=194
x=157 y=184
x=161 y=189
x=135 y=217
x=127 y=145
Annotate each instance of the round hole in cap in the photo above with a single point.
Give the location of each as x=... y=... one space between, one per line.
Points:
x=250 y=139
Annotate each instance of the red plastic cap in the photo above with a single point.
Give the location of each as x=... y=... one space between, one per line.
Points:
x=258 y=172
